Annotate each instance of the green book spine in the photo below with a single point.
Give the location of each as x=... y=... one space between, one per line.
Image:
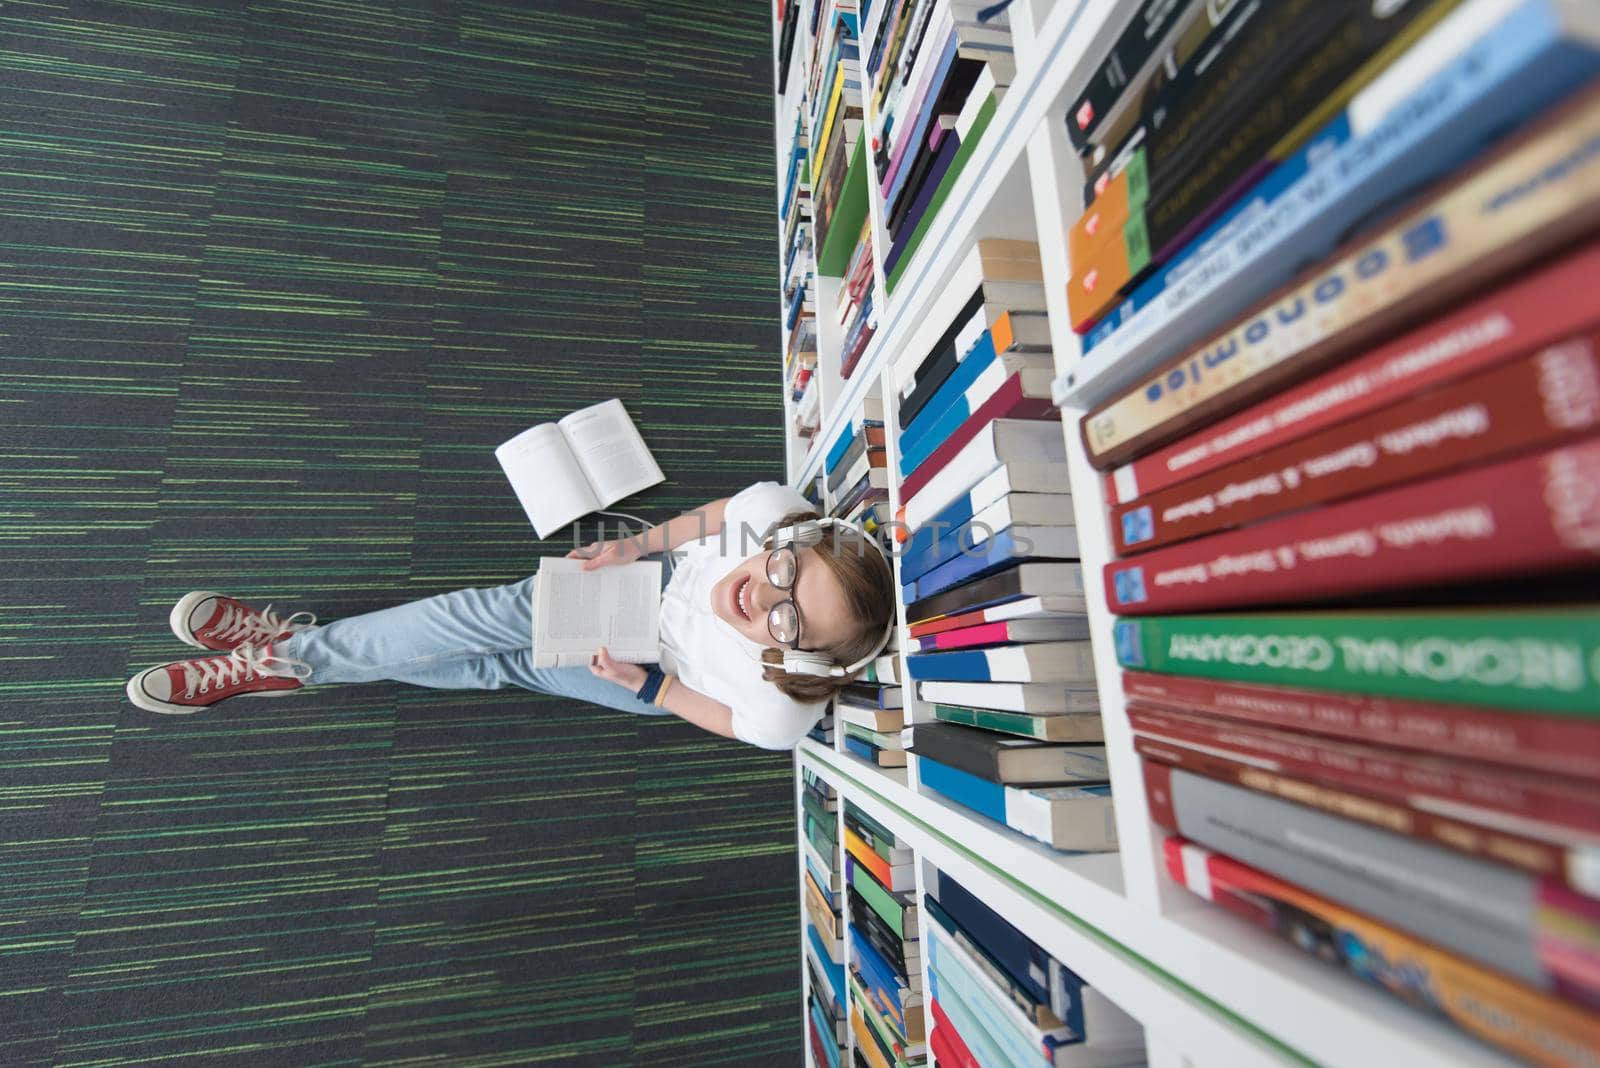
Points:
x=1007 y=722
x=1531 y=661
x=883 y=903
x=889 y=1043
x=964 y=153
x=881 y=837
x=881 y=739
x=839 y=243
x=826 y=843
x=816 y=809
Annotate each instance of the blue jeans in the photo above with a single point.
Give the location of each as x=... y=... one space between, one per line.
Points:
x=476 y=639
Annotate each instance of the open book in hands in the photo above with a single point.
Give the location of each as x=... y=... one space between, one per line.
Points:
x=588 y=460
x=575 y=612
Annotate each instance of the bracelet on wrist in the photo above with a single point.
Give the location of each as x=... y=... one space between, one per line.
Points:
x=653 y=678
x=661 y=695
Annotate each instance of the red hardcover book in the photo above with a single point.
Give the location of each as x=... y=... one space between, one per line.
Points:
x=996 y=633
x=1540 y=806
x=960 y=1055
x=1559 y=744
x=1538 y=513
x=1527 y=854
x=1544 y=307
x=1007 y=403
x=1541 y=399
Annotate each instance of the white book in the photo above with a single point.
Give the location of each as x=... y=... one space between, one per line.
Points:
x=1032 y=452
x=1077 y=818
x=1069 y=662
x=1035 y=699
x=575 y=612
x=1028 y=509
x=999 y=297
x=588 y=460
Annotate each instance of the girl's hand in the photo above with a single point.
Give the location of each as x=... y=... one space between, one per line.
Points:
x=628 y=676
x=605 y=553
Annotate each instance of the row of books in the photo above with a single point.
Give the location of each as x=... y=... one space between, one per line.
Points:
x=858 y=320
x=936 y=72
x=836 y=119
x=997 y=998
x=884 y=974
x=987 y=565
x=826 y=1008
x=1375 y=489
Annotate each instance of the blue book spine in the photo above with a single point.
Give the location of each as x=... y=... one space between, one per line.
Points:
x=946 y=409
x=834 y=973
x=1499 y=83
x=840 y=447
x=965 y=564
x=1020 y=956
x=878 y=974
x=860 y=749
x=965 y=789
x=938 y=534
x=822 y=884
x=966 y=990
x=830 y=1036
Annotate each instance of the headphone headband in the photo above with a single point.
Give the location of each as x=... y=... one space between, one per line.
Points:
x=804 y=535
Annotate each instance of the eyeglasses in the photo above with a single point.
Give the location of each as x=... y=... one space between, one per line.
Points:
x=783 y=620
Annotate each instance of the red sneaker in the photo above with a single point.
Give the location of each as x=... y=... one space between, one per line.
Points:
x=209 y=620
x=185 y=686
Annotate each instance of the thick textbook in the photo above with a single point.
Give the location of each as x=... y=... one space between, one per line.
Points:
x=1032 y=452
x=1559 y=744
x=959 y=529
x=1064 y=662
x=997 y=550
x=1069 y=628
x=1575 y=866
x=1025 y=395
x=1049 y=607
x=1540 y=660
x=1009 y=761
x=1026 y=580
x=575 y=612
x=1544 y=398
x=1531 y=515
x=585 y=461
x=1497 y=916
x=1540 y=1028
x=1526 y=312
x=1526 y=199
x=1031 y=698
x=1075 y=818
x=1066 y=727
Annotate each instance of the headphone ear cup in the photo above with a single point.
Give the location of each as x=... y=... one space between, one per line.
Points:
x=799 y=662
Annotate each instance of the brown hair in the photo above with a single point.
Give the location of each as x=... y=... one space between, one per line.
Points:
x=868 y=586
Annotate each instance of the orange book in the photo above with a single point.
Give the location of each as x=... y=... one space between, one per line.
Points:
x=870 y=858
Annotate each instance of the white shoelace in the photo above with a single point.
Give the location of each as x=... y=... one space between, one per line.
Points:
x=243 y=664
x=241 y=625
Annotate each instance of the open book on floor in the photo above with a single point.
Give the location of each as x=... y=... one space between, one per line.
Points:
x=588 y=460
x=575 y=612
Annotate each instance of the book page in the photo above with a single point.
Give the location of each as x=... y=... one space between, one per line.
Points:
x=547 y=478
x=575 y=612
x=611 y=452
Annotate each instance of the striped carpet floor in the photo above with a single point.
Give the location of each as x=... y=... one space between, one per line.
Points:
x=275 y=277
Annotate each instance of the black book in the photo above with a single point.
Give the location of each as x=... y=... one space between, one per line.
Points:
x=1021 y=580
x=940 y=363
x=888 y=945
x=1008 y=760
x=1145 y=32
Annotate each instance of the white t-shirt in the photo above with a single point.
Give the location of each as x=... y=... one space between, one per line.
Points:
x=707 y=653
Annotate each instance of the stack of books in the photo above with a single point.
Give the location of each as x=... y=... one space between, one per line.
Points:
x=871 y=711
x=885 y=968
x=937 y=70
x=1058 y=793
x=836 y=132
x=997 y=998
x=857 y=319
x=826 y=1016
x=857 y=468
x=799 y=299
x=1356 y=506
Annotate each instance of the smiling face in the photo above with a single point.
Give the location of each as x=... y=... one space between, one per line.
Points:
x=744 y=596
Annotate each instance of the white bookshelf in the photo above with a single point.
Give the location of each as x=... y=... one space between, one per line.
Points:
x=1210 y=990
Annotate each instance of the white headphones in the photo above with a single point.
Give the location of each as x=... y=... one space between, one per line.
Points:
x=803 y=535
